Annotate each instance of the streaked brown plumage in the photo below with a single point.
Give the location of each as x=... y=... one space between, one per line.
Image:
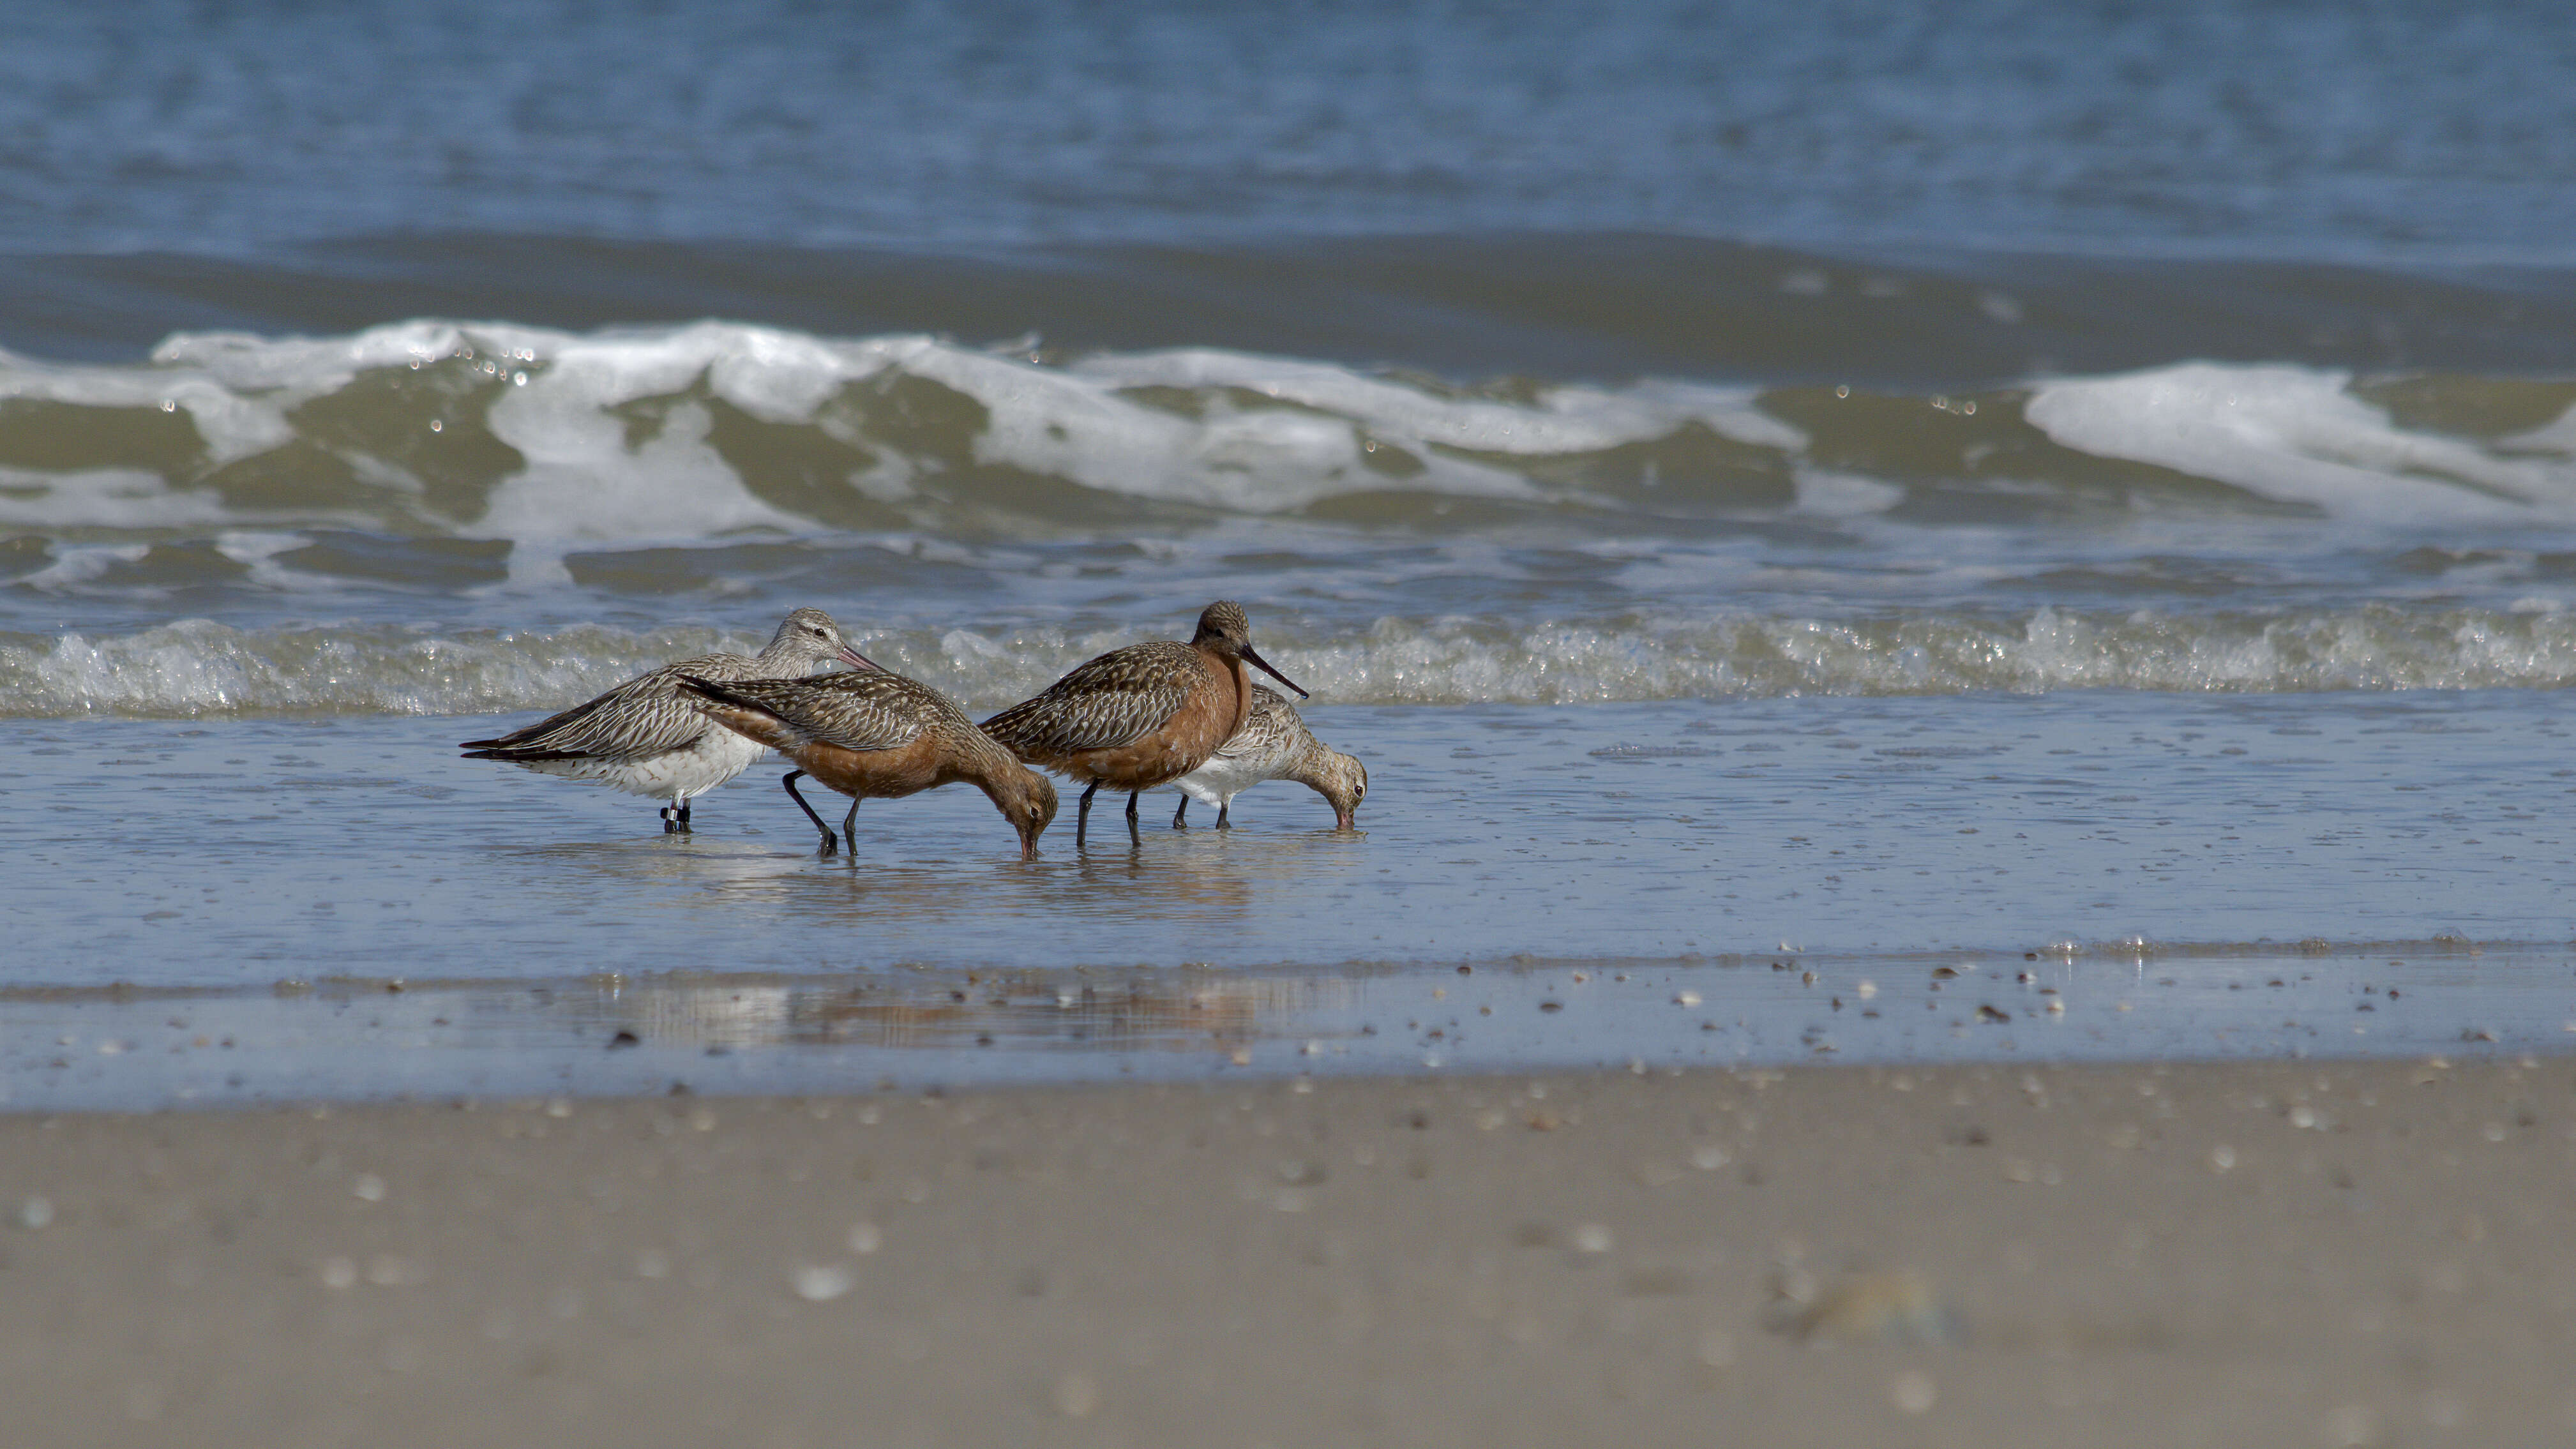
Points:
x=643 y=738
x=876 y=736
x=1140 y=716
x=1274 y=744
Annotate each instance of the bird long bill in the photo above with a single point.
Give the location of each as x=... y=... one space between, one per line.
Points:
x=857 y=660
x=1251 y=658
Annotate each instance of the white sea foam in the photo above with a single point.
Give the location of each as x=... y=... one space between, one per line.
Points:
x=590 y=476
x=233 y=424
x=2553 y=439
x=1562 y=420
x=202 y=668
x=2297 y=435
x=95 y=498
x=1829 y=494
x=607 y=439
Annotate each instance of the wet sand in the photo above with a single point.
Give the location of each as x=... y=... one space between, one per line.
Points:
x=2226 y=1253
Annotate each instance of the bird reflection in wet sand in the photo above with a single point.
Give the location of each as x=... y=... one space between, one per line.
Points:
x=1141 y=716
x=645 y=739
x=1274 y=744
x=876 y=736
x=1194 y=1014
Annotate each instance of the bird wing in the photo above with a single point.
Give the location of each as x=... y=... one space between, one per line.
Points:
x=1270 y=727
x=862 y=710
x=644 y=717
x=1113 y=700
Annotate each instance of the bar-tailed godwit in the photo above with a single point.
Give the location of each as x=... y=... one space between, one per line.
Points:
x=880 y=736
x=645 y=739
x=1274 y=744
x=1140 y=716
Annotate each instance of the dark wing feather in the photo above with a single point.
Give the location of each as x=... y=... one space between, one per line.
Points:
x=862 y=710
x=1113 y=700
x=637 y=720
x=1270 y=725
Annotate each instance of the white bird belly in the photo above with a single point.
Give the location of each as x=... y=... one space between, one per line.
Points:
x=717 y=756
x=1220 y=779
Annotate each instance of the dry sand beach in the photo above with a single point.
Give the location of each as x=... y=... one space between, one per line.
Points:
x=2287 y=1254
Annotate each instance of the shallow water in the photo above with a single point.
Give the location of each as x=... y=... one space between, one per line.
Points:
x=316 y=890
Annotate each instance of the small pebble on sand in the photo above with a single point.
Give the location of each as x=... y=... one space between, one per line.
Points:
x=1913 y=1392
x=822 y=1282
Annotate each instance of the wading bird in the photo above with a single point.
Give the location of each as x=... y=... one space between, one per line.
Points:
x=1140 y=716
x=876 y=736
x=1274 y=744
x=644 y=738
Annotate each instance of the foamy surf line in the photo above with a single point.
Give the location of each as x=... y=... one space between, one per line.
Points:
x=200 y=668
x=551 y=442
x=554 y=441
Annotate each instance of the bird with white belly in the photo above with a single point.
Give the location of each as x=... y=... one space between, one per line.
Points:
x=646 y=738
x=1274 y=744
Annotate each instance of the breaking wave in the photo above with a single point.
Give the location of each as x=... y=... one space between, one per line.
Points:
x=346 y=524
x=546 y=442
x=552 y=441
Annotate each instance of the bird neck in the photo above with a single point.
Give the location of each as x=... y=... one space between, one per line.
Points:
x=984 y=762
x=1308 y=765
x=1229 y=667
x=994 y=775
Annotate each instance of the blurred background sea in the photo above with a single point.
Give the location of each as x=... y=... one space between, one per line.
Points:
x=1543 y=353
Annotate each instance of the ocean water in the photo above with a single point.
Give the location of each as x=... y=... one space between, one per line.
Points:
x=1675 y=443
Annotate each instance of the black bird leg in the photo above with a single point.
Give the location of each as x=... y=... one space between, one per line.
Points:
x=684 y=819
x=1179 y=823
x=829 y=844
x=670 y=820
x=1082 y=816
x=1221 y=814
x=850 y=825
x=1132 y=837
